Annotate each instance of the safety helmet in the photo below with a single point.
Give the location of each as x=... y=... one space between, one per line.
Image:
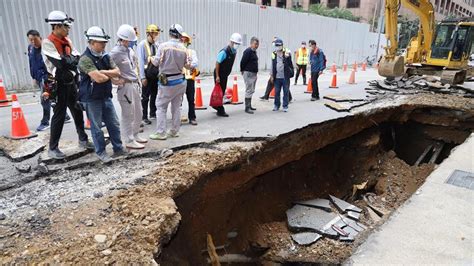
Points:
x=152 y=28
x=127 y=33
x=59 y=17
x=176 y=30
x=187 y=37
x=278 y=42
x=236 y=38
x=96 y=34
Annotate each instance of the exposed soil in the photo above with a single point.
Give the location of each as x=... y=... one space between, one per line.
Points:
x=241 y=185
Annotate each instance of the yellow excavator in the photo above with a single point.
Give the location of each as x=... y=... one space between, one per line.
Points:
x=442 y=50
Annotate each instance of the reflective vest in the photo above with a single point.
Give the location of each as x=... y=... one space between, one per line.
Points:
x=302 y=57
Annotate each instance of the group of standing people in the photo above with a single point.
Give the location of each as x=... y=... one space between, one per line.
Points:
x=149 y=77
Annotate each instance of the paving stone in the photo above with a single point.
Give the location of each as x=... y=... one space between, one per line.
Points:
x=343 y=206
x=304 y=218
x=306 y=238
x=316 y=203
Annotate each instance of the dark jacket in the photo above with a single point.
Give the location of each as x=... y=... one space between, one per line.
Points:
x=317 y=61
x=225 y=67
x=37 y=67
x=249 y=61
x=90 y=90
x=288 y=64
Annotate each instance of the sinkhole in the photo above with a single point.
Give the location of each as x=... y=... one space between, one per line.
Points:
x=378 y=159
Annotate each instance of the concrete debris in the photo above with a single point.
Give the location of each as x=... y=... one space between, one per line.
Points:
x=316 y=203
x=337 y=107
x=353 y=215
x=23 y=168
x=379 y=211
x=100 y=238
x=342 y=98
x=374 y=216
x=343 y=206
x=98 y=195
x=339 y=230
x=352 y=233
x=17 y=150
x=106 y=252
x=413 y=84
x=308 y=218
x=165 y=153
x=2 y=216
x=42 y=168
x=306 y=238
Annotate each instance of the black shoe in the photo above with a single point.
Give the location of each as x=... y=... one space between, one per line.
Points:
x=253 y=109
x=152 y=117
x=263 y=98
x=248 y=111
x=146 y=121
x=224 y=114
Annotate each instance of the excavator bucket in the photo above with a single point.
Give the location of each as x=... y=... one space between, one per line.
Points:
x=391 y=68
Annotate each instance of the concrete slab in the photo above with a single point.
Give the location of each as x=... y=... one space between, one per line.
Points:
x=435 y=226
x=19 y=150
x=306 y=238
x=343 y=206
x=308 y=218
x=316 y=203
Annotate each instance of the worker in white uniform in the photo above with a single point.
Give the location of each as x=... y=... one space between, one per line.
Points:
x=128 y=91
x=170 y=58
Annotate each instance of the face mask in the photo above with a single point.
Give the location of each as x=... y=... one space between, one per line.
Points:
x=303 y=46
x=96 y=54
x=279 y=48
x=236 y=46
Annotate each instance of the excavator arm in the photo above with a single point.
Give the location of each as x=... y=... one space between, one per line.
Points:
x=392 y=65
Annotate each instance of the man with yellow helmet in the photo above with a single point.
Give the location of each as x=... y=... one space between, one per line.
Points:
x=190 y=75
x=146 y=51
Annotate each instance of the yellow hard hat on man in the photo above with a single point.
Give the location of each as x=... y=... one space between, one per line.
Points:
x=152 y=28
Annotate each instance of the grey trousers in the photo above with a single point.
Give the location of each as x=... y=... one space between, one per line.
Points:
x=166 y=95
x=250 y=80
x=129 y=98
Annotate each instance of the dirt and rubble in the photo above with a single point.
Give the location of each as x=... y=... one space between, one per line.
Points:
x=128 y=212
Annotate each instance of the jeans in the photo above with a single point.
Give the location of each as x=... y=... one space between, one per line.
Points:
x=46 y=104
x=314 y=84
x=279 y=83
x=149 y=93
x=100 y=111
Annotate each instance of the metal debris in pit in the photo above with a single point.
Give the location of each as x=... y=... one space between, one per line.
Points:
x=314 y=219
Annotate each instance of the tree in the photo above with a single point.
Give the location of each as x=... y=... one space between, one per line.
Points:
x=337 y=12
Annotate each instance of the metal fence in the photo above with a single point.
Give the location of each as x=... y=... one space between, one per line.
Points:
x=210 y=21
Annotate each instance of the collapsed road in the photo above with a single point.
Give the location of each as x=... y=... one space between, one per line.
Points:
x=227 y=200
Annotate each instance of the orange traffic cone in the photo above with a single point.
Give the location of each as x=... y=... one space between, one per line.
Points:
x=334 y=81
x=344 y=67
x=3 y=96
x=20 y=129
x=364 y=66
x=235 y=93
x=333 y=68
x=272 y=93
x=309 y=88
x=352 y=77
x=198 y=101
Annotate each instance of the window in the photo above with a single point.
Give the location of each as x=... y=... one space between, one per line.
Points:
x=353 y=3
x=314 y=2
x=266 y=2
x=333 y=3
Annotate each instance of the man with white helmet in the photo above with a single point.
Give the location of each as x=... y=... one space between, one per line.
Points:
x=128 y=91
x=97 y=70
x=61 y=61
x=224 y=64
x=146 y=51
x=170 y=58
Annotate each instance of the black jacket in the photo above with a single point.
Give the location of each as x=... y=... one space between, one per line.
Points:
x=288 y=65
x=249 y=61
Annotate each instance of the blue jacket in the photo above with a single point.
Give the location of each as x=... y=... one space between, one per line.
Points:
x=37 y=66
x=317 y=61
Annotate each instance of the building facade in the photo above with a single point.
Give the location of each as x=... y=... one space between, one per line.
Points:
x=368 y=9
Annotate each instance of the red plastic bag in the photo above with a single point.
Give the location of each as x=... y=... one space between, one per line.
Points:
x=216 y=96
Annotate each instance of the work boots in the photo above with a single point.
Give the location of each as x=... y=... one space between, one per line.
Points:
x=248 y=109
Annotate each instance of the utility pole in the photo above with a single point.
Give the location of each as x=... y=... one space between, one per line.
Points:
x=381 y=23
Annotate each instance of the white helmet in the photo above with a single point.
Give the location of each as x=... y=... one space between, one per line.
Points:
x=59 y=17
x=176 y=30
x=236 y=38
x=127 y=33
x=97 y=34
